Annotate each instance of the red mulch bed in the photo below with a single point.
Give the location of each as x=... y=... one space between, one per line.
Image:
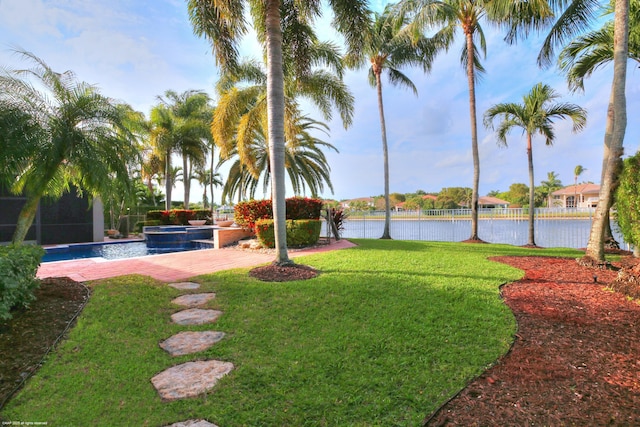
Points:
x=283 y=273
x=575 y=360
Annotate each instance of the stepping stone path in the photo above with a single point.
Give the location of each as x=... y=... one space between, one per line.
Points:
x=192 y=378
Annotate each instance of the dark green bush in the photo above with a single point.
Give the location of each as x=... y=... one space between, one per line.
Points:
x=18 y=268
x=300 y=233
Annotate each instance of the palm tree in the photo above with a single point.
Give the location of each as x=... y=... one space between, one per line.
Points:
x=306 y=164
x=534 y=115
x=207 y=181
x=76 y=136
x=585 y=54
x=519 y=16
x=550 y=185
x=223 y=24
x=387 y=48
x=575 y=18
x=577 y=171
x=17 y=141
x=191 y=136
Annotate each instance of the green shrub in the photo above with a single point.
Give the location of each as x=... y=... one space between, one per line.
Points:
x=177 y=216
x=628 y=200
x=159 y=215
x=18 y=268
x=300 y=233
x=181 y=216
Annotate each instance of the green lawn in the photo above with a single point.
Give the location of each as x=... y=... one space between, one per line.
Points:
x=388 y=332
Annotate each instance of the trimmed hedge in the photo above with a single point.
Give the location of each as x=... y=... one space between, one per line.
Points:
x=246 y=214
x=178 y=216
x=300 y=233
x=18 y=268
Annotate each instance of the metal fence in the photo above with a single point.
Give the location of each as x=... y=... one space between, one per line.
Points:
x=554 y=227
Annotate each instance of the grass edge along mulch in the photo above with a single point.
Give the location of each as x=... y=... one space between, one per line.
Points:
x=384 y=335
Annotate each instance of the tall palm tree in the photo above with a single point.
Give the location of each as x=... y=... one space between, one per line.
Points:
x=77 y=136
x=191 y=113
x=448 y=15
x=575 y=18
x=388 y=48
x=585 y=54
x=577 y=171
x=223 y=24
x=534 y=115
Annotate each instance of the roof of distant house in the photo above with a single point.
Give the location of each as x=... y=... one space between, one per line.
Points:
x=578 y=189
x=488 y=200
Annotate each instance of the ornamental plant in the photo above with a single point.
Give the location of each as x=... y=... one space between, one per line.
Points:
x=300 y=233
x=18 y=268
x=247 y=213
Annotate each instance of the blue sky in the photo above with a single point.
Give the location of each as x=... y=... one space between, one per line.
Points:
x=135 y=50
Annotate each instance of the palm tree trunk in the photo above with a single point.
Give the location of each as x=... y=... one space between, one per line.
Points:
x=275 y=108
x=186 y=179
x=609 y=241
x=386 y=234
x=532 y=241
x=25 y=218
x=211 y=176
x=616 y=126
x=168 y=185
x=474 y=137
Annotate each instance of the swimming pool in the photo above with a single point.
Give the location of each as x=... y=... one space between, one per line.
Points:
x=109 y=250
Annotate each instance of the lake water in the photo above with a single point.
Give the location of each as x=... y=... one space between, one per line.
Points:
x=568 y=233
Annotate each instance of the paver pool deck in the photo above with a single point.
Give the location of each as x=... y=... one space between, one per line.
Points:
x=170 y=267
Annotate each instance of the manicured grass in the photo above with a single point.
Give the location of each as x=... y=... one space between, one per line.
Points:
x=387 y=333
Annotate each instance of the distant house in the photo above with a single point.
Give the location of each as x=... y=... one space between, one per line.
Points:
x=361 y=201
x=576 y=196
x=488 y=202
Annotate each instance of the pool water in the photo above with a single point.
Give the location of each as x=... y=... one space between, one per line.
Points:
x=107 y=250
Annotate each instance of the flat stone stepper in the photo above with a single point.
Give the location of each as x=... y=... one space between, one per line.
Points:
x=194 y=300
x=190 y=342
x=195 y=316
x=185 y=285
x=190 y=379
x=193 y=423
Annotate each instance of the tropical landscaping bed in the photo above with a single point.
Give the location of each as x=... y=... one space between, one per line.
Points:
x=384 y=335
